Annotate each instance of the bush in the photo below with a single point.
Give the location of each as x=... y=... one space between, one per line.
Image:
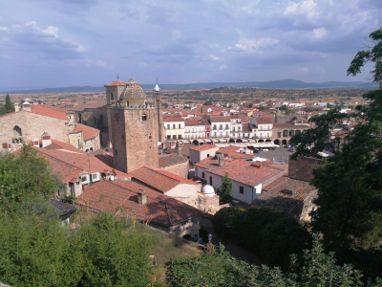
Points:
x=269 y=234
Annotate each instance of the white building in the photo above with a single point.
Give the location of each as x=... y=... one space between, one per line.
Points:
x=195 y=128
x=220 y=127
x=200 y=152
x=174 y=127
x=247 y=177
x=262 y=128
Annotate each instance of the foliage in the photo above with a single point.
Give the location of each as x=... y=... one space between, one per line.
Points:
x=314 y=140
x=208 y=103
x=36 y=252
x=23 y=176
x=8 y=107
x=315 y=269
x=371 y=55
x=111 y=257
x=349 y=212
x=226 y=190
x=270 y=235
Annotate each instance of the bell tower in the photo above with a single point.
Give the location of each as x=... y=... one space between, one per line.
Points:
x=134 y=128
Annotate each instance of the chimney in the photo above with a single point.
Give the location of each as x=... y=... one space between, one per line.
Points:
x=142 y=197
x=221 y=161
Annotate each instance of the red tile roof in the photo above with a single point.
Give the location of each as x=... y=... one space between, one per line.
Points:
x=244 y=171
x=116 y=83
x=121 y=198
x=203 y=147
x=158 y=179
x=234 y=152
x=69 y=164
x=264 y=120
x=173 y=118
x=49 y=111
x=88 y=132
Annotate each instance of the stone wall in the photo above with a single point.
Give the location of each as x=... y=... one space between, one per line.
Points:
x=32 y=127
x=134 y=137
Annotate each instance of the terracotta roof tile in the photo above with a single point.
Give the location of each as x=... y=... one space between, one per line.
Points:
x=49 y=111
x=158 y=179
x=203 y=147
x=244 y=171
x=121 y=198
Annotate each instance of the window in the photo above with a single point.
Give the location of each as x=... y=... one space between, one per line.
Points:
x=112 y=96
x=17 y=132
x=179 y=136
x=168 y=137
x=241 y=189
x=180 y=126
x=203 y=175
x=173 y=126
x=174 y=137
x=208 y=155
x=115 y=152
x=84 y=178
x=144 y=117
x=168 y=126
x=210 y=180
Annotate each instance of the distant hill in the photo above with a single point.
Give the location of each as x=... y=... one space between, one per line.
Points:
x=277 y=84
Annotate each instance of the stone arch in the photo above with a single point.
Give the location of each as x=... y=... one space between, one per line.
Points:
x=284 y=142
x=239 y=141
x=277 y=142
x=268 y=140
x=17 y=132
x=261 y=141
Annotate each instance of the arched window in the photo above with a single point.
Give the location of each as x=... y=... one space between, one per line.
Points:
x=17 y=132
x=144 y=117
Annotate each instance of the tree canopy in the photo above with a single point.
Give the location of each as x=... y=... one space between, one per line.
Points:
x=315 y=269
x=25 y=175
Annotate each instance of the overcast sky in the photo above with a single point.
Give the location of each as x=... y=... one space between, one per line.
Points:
x=55 y=43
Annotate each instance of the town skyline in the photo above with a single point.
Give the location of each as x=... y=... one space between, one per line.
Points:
x=68 y=43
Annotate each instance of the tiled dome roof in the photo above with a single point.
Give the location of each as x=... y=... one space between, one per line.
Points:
x=134 y=94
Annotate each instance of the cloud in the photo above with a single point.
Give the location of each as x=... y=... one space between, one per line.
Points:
x=3 y=29
x=255 y=45
x=319 y=33
x=305 y=7
x=31 y=40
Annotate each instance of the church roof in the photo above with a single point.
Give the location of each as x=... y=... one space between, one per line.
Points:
x=116 y=83
x=134 y=93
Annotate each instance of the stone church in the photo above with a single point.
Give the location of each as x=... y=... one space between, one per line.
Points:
x=134 y=125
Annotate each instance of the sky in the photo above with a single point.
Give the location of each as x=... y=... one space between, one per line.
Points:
x=58 y=43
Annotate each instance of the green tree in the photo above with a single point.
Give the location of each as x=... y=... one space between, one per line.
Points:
x=9 y=107
x=269 y=234
x=373 y=55
x=23 y=176
x=349 y=201
x=112 y=257
x=36 y=252
x=226 y=190
x=315 y=269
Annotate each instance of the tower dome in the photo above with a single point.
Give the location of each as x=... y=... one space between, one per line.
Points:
x=134 y=94
x=157 y=88
x=208 y=190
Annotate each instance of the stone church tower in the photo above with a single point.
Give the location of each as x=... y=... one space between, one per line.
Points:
x=133 y=126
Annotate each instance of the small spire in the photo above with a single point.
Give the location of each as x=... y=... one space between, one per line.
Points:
x=156 y=88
